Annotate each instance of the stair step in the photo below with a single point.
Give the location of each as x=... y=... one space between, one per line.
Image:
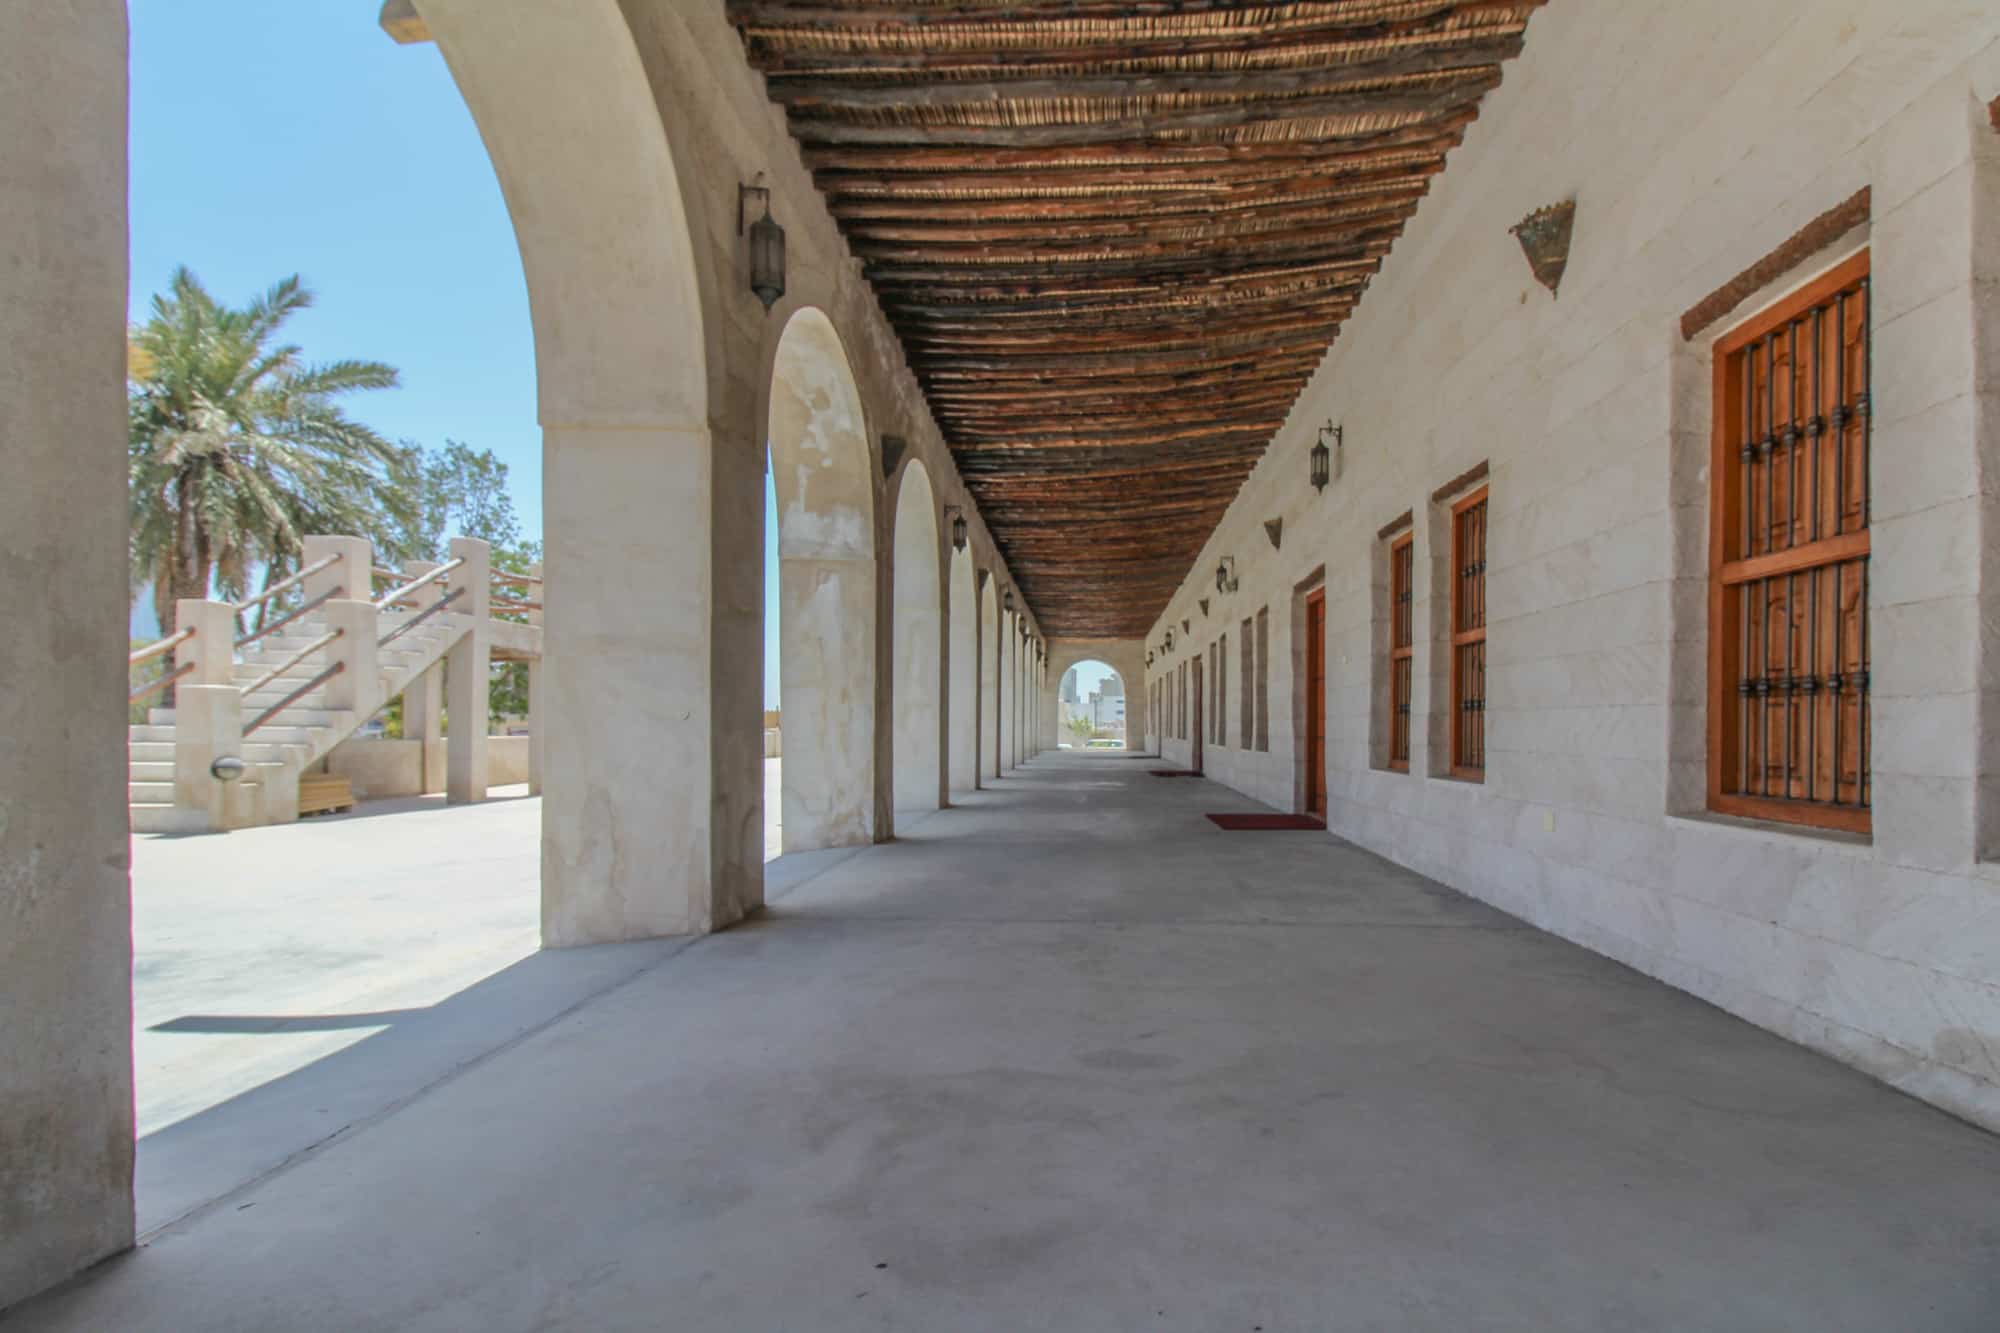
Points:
x=151 y=770
x=147 y=733
x=160 y=717
x=147 y=793
x=149 y=751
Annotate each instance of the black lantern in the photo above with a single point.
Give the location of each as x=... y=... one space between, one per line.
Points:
x=1225 y=575
x=957 y=527
x=767 y=247
x=1008 y=600
x=1322 y=457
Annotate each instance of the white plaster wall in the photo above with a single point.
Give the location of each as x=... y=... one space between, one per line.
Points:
x=1696 y=138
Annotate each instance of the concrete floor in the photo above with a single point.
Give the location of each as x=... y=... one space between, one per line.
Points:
x=1069 y=1057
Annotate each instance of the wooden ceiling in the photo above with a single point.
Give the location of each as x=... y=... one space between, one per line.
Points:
x=1117 y=238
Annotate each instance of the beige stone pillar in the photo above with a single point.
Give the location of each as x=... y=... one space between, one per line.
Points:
x=212 y=650
x=465 y=674
x=208 y=725
x=347 y=577
x=66 y=946
x=630 y=634
x=1009 y=661
x=626 y=805
x=358 y=686
x=535 y=695
x=423 y=703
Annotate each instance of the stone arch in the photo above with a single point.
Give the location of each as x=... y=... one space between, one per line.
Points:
x=918 y=635
x=1080 y=706
x=962 y=654
x=821 y=468
x=622 y=372
x=1125 y=656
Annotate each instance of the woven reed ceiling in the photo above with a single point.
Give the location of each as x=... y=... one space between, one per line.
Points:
x=1117 y=238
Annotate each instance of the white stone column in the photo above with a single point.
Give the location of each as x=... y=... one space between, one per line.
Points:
x=212 y=650
x=626 y=805
x=423 y=705
x=66 y=946
x=358 y=687
x=1008 y=660
x=208 y=725
x=465 y=675
x=535 y=694
x=348 y=577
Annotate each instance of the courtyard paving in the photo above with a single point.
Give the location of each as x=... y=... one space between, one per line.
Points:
x=1069 y=1057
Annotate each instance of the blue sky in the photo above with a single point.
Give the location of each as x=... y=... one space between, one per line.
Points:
x=295 y=137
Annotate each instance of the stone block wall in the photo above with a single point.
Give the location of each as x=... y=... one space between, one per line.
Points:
x=1696 y=138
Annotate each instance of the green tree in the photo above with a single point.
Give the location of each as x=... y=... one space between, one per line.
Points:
x=239 y=447
x=462 y=492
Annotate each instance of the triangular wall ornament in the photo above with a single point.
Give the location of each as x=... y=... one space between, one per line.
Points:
x=1204 y=606
x=1544 y=236
x=893 y=449
x=1187 y=625
x=1274 y=528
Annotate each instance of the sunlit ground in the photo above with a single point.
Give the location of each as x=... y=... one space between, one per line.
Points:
x=258 y=952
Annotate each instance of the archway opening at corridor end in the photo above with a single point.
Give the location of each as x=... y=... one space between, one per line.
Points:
x=1090 y=707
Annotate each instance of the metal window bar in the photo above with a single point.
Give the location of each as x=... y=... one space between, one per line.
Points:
x=1783 y=689
x=304 y=609
x=292 y=698
x=158 y=683
x=287 y=584
x=401 y=594
x=419 y=618
x=292 y=661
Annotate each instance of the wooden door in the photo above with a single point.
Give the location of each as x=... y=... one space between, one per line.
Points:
x=1316 y=702
x=1195 y=761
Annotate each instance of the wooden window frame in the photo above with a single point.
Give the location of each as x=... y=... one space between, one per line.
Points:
x=1246 y=686
x=1729 y=568
x=1222 y=690
x=1402 y=645
x=1263 y=680
x=1464 y=636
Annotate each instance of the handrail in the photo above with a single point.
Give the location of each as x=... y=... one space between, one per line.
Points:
x=419 y=618
x=292 y=661
x=378 y=572
x=394 y=595
x=290 y=616
x=168 y=644
x=502 y=576
x=512 y=604
x=285 y=584
x=286 y=702
x=159 y=683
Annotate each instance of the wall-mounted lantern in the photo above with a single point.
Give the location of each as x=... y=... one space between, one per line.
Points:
x=1008 y=600
x=957 y=527
x=767 y=245
x=1149 y=657
x=1170 y=638
x=1225 y=575
x=1322 y=457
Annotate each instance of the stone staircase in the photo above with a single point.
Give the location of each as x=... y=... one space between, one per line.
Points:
x=255 y=709
x=297 y=736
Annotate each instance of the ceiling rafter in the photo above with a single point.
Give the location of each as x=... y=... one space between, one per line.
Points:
x=1117 y=237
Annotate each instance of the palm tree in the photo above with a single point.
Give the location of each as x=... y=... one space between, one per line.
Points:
x=238 y=448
